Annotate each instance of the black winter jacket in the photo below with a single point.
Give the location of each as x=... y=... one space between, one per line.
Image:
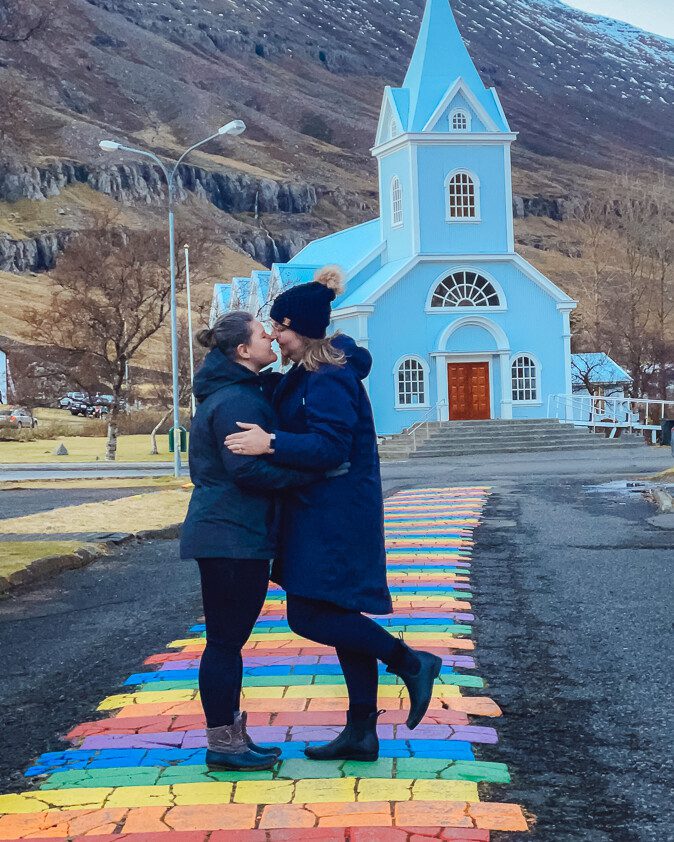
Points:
x=232 y=512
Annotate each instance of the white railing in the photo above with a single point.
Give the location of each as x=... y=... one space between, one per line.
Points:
x=415 y=430
x=614 y=414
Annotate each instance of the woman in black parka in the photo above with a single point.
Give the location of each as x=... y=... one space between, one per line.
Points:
x=332 y=558
x=230 y=526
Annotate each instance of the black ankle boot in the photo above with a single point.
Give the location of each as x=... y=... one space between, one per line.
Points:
x=419 y=682
x=358 y=741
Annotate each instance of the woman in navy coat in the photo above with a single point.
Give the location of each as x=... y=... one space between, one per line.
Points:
x=230 y=527
x=331 y=558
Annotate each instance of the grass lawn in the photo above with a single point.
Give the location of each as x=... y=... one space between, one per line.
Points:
x=18 y=555
x=84 y=449
x=95 y=483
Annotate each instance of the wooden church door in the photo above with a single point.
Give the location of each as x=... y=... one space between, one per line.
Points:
x=468 y=391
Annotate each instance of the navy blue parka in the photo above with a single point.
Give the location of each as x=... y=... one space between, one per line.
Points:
x=233 y=509
x=332 y=532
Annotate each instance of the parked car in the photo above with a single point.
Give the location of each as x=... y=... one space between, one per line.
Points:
x=71 y=398
x=17 y=418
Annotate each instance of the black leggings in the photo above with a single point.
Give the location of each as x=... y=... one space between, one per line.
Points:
x=233 y=592
x=358 y=641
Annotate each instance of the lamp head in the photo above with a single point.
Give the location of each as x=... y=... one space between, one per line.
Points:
x=234 y=127
x=109 y=145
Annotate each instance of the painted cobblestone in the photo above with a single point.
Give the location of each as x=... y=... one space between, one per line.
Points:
x=139 y=770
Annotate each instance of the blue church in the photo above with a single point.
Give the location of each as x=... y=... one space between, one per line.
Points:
x=459 y=325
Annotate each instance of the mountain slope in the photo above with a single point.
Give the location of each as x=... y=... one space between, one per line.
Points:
x=586 y=94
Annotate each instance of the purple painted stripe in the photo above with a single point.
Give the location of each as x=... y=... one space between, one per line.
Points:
x=196 y=738
x=448 y=660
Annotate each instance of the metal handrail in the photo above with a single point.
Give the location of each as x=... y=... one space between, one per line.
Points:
x=425 y=421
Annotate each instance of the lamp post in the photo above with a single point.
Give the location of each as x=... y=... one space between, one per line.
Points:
x=193 y=403
x=234 y=127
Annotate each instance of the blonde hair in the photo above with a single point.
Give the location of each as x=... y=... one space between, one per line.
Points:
x=318 y=352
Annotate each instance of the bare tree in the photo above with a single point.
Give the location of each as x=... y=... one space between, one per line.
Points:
x=163 y=391
x=595 y=219
x=112 y=293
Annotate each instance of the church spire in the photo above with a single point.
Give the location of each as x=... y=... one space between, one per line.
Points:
x=440 y=57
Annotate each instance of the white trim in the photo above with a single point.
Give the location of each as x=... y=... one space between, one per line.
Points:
x=507 y=174
x=452 y=114
x=503 y=306
x=460 y=87
x=476 y=193
x=388 y=111
x=397 y=220
x=544 y=283
x=414 y=186
x=513 y=258
x=443 y=138
x=354 y=310
x=497 y=332
x=426 y=383
x=538 y=367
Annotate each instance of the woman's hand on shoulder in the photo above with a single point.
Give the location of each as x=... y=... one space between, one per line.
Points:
x=253 y=442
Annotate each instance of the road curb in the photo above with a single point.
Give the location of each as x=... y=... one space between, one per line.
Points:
x=42 y=568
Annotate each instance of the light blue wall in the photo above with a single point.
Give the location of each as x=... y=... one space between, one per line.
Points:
x=400 y=326
x=399 y=240
x=490 y=235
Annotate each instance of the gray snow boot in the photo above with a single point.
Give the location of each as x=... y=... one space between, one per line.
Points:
x=229 y=750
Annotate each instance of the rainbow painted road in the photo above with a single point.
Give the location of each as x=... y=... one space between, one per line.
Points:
x=139 y=770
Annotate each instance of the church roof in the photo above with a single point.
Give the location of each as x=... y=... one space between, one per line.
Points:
x=439 y=59
x=346 y=248
x=600 y=368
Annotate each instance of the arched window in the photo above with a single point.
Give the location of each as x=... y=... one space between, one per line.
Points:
x=459 y=121
x=411 y=383
x=462 y=197
x=396 y=203
x=524 y=379
x=465 y=289
x=393 y=128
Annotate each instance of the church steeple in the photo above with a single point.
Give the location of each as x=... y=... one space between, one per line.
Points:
x=440 y=58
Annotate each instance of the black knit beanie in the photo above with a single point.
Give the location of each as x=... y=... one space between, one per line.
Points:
x=306 y=308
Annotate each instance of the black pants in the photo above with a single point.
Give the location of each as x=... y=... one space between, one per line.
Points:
x=358 y=641
x=233 y=592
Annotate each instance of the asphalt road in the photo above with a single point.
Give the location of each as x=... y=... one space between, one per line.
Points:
x=574 y=636
x=25 y=501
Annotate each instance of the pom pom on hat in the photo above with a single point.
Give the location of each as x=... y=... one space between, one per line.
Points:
x=331 y=277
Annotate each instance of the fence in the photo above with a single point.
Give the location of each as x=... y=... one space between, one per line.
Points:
x=613 y=414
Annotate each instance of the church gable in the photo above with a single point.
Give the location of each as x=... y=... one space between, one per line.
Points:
x=457 y=117
x=392 y=122
x=459 y=111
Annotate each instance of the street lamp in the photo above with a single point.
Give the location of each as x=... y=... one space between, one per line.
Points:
x=234 y=127
x=193 y=403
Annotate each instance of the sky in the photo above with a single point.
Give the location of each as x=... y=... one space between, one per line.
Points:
x=653 y=15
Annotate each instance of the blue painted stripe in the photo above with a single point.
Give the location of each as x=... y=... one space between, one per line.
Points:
x=124 y=758
x=387 y=622
x=273 y=669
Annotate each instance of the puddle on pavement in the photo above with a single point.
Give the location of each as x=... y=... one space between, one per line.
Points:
x=627 y=486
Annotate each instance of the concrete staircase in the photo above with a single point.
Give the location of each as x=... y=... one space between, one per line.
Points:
x=472 y=438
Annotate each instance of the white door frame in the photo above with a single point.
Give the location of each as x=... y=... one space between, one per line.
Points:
x=502 y=358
